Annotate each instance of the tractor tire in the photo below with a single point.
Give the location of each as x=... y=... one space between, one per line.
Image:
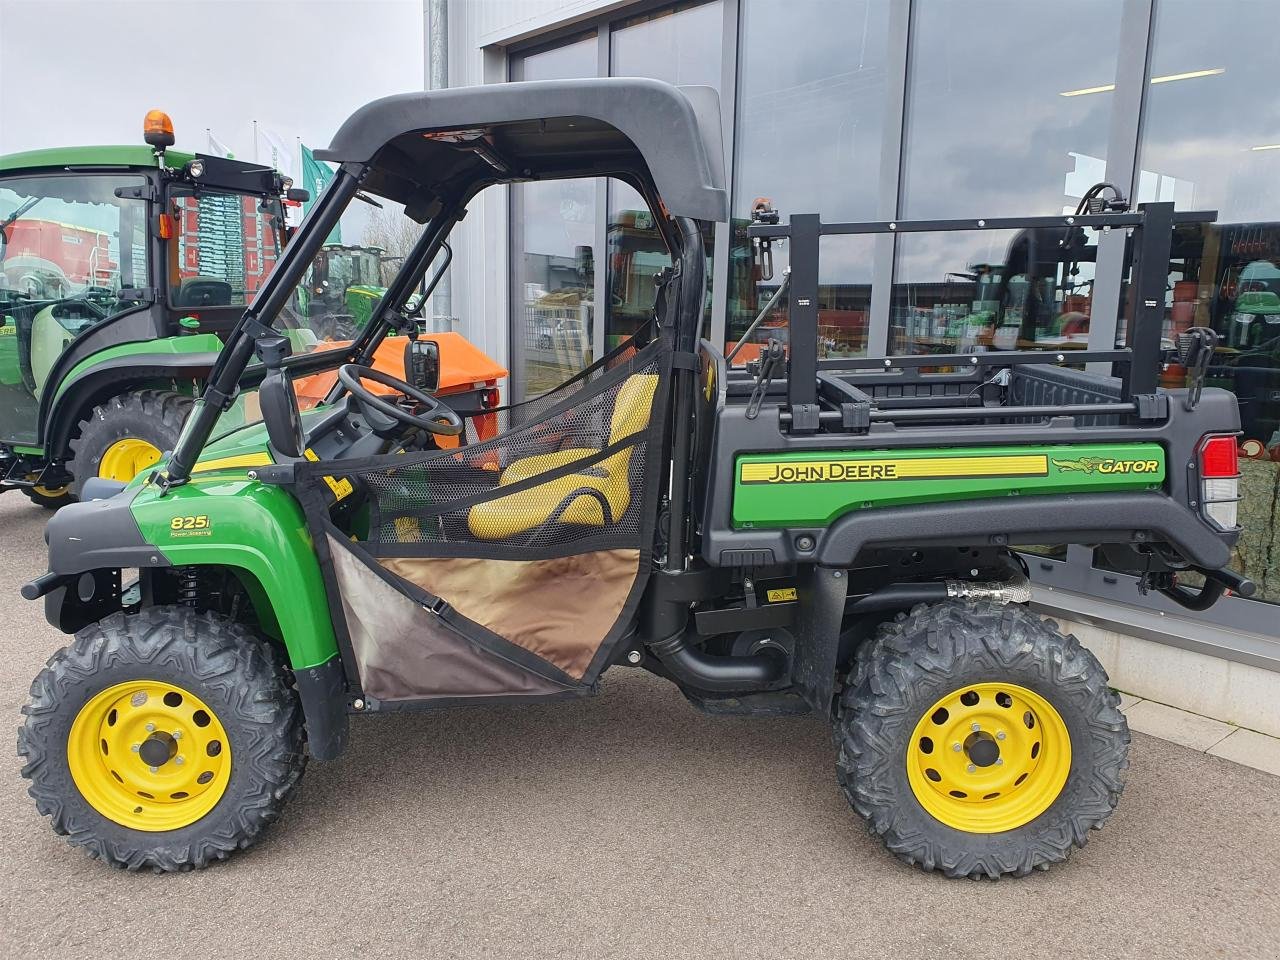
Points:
x=162 y=740
x=978 y=741
x=126 y=434
x=49 y=499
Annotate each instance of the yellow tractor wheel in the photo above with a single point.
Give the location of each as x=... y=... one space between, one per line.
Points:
x=126 y=458
x=127 y=435
x=51 y=498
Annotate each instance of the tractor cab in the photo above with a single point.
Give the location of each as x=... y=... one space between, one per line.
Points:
x=121 y=268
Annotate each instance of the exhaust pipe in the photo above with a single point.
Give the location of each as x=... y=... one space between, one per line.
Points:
x=704 y=671
x=717 y=674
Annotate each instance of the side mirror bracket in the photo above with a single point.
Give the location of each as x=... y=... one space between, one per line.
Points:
x=278 y=400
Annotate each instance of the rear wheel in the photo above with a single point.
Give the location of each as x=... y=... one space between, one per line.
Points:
x=976 y=740
x=165 y=740
x=127 y=435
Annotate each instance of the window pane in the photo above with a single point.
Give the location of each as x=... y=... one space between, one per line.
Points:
x=70 y=253
x=680 y=45
x=554 y=232
x=811 y=94
x=227 y=244
x=1211 y=140
x=1026 y=138
x=1003 y=290
x=351 y=272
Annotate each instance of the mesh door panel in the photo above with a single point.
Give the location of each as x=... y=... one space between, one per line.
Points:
x=558 y=511
x=575 y=475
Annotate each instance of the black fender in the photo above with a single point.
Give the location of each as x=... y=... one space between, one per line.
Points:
x=137 y=325
x=1084 y=518
x=322 y=689
x=76 y=399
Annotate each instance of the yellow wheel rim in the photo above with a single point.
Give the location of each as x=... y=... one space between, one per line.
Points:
x=126 y=458
x=51 y=492
x=989 y=757
x=149 y=755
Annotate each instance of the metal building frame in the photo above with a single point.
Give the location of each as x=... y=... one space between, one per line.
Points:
x=1235 y=628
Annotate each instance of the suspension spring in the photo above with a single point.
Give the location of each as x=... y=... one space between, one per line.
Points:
x=188 y=587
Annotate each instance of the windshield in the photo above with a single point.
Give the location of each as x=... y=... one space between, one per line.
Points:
x=72 y=254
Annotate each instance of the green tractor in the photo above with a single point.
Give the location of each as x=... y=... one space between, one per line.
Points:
x=122 y=268
x=834 y=537
x=342 y=288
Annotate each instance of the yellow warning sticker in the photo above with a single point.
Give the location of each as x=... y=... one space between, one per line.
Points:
x=894 y=468
x=781 y=594
x=340 y=488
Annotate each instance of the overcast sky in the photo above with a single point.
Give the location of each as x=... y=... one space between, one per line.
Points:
x=87 y=71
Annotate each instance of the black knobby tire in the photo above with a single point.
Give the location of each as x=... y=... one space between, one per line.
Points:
x=40 y=498
x=921 y=657
x=155 y=416
x=236 y=674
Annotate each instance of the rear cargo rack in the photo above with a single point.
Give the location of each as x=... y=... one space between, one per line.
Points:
x=828 y=393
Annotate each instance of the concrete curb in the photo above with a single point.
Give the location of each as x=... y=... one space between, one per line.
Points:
x=1203 y=734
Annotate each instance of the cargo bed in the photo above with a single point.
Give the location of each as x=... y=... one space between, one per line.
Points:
x=817 y=460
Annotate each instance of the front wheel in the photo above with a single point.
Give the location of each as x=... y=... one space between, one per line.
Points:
x=126 y=435
x=976 y=740
x=165 y=739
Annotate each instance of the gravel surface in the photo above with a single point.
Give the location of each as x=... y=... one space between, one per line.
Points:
x=627 y=825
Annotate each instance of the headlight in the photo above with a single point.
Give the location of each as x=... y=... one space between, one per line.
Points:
x=195 y=169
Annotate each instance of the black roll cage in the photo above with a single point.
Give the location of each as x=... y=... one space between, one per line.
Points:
x=257 y=321
x=433 y=151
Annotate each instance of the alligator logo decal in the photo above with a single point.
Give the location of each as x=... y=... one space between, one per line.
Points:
x=1107 y=465
x=1083 y=465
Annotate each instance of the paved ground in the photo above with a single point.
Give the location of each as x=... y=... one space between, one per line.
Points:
x=626 y=826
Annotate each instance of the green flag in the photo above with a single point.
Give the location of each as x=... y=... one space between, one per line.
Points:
x=316 y=175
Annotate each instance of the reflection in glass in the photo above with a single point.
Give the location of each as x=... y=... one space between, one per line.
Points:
x=1212 y=141
x=71 y=254
x=680 y=45
x=979 y=144
x=554 y=236
x=811 y=97
x=844 y=298
x=1003 y=290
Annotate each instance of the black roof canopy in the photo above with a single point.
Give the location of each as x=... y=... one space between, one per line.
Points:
x=424 y=145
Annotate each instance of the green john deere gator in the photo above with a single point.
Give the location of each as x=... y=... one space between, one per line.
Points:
x=832 y=536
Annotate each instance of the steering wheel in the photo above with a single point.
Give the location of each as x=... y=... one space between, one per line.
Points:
x=437 y=418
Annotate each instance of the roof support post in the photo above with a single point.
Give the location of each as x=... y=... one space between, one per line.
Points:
x=805 y=237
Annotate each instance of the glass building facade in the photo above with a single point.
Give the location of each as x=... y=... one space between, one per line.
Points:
x=911 y=109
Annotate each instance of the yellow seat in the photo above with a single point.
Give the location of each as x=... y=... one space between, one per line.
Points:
x=519 y=512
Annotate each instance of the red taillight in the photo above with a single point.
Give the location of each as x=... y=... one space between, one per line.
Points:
x=1218 y=458
x=490 y=398
x=1220 y=481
